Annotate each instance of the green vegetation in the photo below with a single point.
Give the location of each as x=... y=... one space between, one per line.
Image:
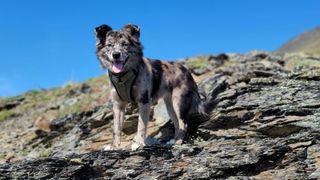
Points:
x=5 y=100
x=25 y=152
x=2 y=100
x=45 y=153
x=82 y=101
x=198 y=62
x=33 y=136
x=2 y=156
x=4 y=114
x=76 y=160
x=302 y=60
x=33 y=92
x=97 y=81
x=58 y=102
x=198 y=140
x=307 y=62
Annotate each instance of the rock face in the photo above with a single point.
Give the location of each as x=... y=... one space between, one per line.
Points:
x=266 y=125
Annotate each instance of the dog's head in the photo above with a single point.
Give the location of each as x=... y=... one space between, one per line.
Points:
x=120 y=50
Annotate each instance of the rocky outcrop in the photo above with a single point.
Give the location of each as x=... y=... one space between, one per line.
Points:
x=265 y=126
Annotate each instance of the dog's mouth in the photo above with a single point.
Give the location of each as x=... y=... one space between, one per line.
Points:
x=118 y=66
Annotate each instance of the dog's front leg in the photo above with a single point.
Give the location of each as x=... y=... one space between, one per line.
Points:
x=118 y=118
x=144 y=115
x=118 y=113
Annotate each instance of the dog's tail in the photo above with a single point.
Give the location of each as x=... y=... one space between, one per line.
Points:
x=206 y=106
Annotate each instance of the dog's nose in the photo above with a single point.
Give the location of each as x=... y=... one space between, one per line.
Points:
x=116 y=55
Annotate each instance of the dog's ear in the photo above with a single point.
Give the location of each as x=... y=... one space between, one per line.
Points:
x=101 y=33
x=133 y=30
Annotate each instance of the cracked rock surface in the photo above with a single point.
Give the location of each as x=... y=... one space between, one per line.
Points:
x=266 y=125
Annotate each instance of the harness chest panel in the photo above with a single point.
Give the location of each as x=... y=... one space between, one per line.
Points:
x=123 y=83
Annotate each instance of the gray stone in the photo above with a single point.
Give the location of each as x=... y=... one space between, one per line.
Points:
x=160 y=113
x=265 y=126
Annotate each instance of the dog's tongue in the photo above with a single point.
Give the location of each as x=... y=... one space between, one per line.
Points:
x=117 y=67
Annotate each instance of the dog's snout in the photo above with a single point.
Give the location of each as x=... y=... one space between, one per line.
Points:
x=116 y=55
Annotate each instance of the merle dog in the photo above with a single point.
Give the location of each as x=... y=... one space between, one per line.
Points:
x=143 y=81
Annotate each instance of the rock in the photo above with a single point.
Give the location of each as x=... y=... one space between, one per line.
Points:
x=71 y=93
x=313 y=159
x=160 y=113
x=85 y=88
x=11 y=105
x=199 y=71
x=65 y=123
x=220 y=59
x=265 y=125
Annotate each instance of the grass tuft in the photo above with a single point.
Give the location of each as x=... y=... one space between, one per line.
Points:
x=5 y=114
x=197 y=63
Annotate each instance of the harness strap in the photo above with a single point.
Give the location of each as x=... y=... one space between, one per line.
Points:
x=123 y=83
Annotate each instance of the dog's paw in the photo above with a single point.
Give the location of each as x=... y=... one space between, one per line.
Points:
x=108 y=147
x=179 y=142
x=171 y=142
x=135 y=146
x=174 y=142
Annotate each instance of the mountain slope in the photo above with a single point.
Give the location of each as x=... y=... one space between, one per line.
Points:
x=308 y=42
x=265 y=126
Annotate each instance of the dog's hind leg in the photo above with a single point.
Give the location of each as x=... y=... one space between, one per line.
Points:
x=181 y=106
x=173 y=116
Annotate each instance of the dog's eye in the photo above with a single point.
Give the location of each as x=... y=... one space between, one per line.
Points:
x=109 y=45
x=125 y=44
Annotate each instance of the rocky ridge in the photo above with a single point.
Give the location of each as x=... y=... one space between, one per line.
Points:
x=307 y=42
x=265 y=126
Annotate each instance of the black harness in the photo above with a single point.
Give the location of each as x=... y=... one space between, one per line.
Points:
x=123 y=83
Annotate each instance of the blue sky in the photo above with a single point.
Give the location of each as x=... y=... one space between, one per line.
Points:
x=46 y=43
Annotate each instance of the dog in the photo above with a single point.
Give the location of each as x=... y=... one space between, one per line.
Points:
x=143 y=81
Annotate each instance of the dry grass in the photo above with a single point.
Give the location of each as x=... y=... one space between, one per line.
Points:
x=197 y=62
x=36 y=101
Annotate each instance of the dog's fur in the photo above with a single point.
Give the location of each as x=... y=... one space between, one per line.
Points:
x=156 y=79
